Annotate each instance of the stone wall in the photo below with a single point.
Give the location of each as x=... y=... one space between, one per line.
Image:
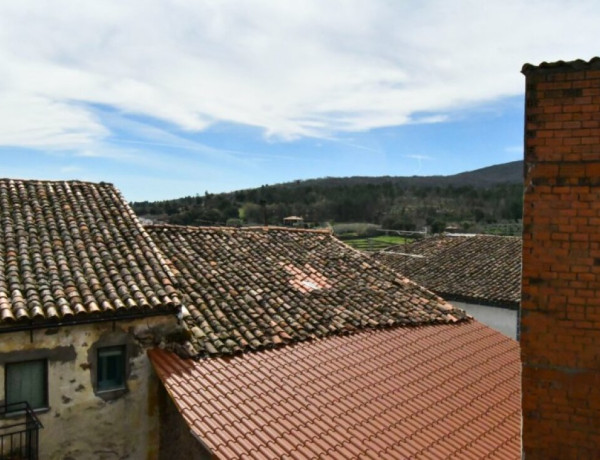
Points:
x=560 y=316
x=79 y=422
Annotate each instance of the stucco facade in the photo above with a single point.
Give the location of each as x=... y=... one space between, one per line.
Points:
x=80 y=422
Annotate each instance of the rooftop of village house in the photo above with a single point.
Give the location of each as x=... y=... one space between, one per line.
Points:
x=483 y=269
x=430 y=391
x=254 y=288
x=72 y=250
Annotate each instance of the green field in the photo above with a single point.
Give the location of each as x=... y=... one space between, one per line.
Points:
x=376 y=243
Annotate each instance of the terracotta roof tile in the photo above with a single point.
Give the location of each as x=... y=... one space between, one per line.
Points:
x=479 y=268
x=256 y=288
x=70 y=249
x=433 y=391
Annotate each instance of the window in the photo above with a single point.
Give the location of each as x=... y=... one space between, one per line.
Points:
x=111 y=368
x=27 y=381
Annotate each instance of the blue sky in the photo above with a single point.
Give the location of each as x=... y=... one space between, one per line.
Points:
x=172 y=98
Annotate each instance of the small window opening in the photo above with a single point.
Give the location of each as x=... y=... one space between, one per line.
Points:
x=111 y=368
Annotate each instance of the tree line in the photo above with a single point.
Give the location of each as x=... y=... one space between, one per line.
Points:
x=393 y=204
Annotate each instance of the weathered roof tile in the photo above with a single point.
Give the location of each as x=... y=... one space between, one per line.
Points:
x=479 y=268
x=70 y=249
x=255 y=288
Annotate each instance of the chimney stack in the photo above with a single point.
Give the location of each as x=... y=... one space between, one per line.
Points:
x=560 y=308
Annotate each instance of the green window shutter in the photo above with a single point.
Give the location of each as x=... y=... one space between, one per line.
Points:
x=111 y=368
x=26 y=381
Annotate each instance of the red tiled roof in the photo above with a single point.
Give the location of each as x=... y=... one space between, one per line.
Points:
x=479 y=268
x=436 y=391
x=254 y=288
x=70 y=249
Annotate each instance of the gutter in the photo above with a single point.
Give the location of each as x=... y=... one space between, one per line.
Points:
x=31 y=326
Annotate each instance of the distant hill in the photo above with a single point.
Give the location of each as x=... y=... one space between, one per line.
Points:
x=511 y=173
x=488 y=195
x=506 y=173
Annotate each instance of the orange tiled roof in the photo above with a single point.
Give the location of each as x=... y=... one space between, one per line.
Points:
x=254 y=288
x=480 y=268
x=70 y=249
x=437 y=391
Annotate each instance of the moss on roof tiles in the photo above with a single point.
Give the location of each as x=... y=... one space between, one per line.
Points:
x=480 y=268
x=71 y=249
x=255 y=288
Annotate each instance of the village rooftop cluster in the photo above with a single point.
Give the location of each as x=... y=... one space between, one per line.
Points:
x=120 y=340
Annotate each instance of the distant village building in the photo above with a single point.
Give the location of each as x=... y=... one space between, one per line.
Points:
x=293 y=221
x=146 y=221
x=478 y=273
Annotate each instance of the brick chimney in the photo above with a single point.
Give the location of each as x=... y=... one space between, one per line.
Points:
x=560 y=308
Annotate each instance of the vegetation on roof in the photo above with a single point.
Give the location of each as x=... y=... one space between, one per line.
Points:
x=254 y=288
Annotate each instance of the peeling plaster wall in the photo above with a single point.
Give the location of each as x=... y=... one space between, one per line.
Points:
x=503 y=320
x=80 y=424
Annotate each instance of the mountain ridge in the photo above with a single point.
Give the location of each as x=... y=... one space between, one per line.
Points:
x=489 y=195
x=511 y=172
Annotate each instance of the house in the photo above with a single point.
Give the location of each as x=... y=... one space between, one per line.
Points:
x=307 y=331
x=560 y=308
x=479 y=273
x=304 y=347
x=293 y=221
x=83 y=294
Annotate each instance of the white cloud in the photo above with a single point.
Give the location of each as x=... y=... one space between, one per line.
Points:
x=70 y=169
x=514 y=149
x=294 y=69
x=418 y=157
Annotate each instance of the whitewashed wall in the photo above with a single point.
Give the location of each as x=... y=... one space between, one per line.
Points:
x=501 y=319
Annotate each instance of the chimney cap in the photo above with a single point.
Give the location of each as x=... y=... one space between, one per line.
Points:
x=561 y=66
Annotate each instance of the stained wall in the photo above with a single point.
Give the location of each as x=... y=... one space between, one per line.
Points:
x=81 y=423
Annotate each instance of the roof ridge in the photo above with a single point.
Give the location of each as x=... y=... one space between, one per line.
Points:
x=57 y=181
x=242 y=229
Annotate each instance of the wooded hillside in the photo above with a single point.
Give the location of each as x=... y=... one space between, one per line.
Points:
x=467 y=200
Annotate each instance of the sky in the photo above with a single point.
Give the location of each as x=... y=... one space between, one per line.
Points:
x=177 y=98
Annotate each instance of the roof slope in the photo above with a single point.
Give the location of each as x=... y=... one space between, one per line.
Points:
x=480 y=268
x=252 y=288
x=70 y=249
x=440 y=391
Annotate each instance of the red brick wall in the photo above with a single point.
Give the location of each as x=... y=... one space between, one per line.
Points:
x=560 y=316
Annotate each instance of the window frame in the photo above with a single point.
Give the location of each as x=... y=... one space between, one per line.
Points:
x=44 y=389
x=122 y=386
